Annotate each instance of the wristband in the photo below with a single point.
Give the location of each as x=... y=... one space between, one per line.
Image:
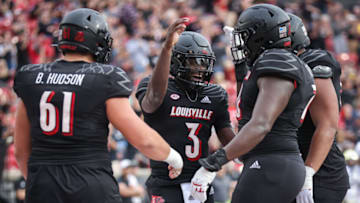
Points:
x=174 y=159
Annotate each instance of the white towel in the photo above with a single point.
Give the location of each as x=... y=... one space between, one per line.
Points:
x=186 y=187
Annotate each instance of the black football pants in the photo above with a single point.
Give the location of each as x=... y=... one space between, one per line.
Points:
x=170 y=194
x=325 y=195
x=71 y=184
x=270 y=178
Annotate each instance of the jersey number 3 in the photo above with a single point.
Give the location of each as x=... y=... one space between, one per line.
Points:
x=193 y=153
x=49 y=114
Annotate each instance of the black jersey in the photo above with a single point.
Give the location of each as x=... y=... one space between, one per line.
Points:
x=333 y=171
x=186 y=125
x=280 y=63
x=65 y=103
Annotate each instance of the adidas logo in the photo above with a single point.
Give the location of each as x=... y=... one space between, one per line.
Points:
x=206 y=100
x=255 y=165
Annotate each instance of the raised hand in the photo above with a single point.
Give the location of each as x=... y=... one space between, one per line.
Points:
x=174 y=32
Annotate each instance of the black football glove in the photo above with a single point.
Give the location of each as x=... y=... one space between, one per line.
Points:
x=215 y=161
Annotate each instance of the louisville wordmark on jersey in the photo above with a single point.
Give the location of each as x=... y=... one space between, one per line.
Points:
x=186 y=124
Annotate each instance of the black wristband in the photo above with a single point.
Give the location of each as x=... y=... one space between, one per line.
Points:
x=215 y=161
x=240 y=71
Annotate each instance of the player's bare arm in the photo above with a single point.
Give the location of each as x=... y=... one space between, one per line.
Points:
x=225 y=135
x=146 y=140
x=130 y=191
x=140 y=135
x=22 y=139
x=159 y=81
x=264 y=115
x=324 y=112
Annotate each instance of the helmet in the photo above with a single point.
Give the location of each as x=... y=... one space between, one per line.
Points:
x=192 y=60
x=260 y=27
x=85 y=30
x=299 y=36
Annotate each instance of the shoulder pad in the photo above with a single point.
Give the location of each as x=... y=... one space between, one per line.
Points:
x=27 y=67
x=321 y=71
x=122 y=79
x=280 y=63
x=213 y=90
x=143 y=84
x=314 y=57
x=119 y=84
x=46 y=67
x=142 y=87
x=20 y=75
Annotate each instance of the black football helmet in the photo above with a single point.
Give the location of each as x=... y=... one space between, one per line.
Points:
x=192 y=60
x=260 y=27
x=299 y=35
x=85 y=30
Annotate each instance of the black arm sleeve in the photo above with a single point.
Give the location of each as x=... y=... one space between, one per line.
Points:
x=240 y=71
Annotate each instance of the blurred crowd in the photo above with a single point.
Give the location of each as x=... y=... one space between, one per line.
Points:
x=28 y=30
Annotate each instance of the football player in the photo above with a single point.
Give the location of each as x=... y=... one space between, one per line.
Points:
x=273 y=100
x=183 y=108
x=63 y=115
x=316 y=135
